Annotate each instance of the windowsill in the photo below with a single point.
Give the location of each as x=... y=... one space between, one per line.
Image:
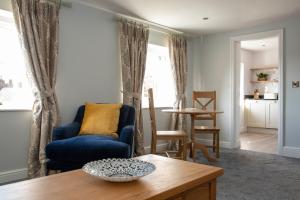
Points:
x=14 y=109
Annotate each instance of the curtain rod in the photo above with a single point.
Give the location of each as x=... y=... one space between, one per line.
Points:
x=145 y=22
x=149 y=27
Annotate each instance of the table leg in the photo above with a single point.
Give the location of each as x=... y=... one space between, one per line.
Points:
x=195 y=145
x=213 y=190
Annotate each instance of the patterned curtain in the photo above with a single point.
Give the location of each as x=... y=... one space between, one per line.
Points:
x=37 y=23
x=178 y=58
x=133 y=47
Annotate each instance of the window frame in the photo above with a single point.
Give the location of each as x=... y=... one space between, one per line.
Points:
x=6 y=20
x=158 y=105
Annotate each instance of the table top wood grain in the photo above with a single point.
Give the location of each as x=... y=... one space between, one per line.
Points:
x=170 y=177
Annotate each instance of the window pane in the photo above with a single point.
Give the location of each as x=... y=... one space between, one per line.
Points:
x=15 y=91
x=158 y=75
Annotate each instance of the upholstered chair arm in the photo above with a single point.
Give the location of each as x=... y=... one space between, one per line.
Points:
x=66 y=131
x=127 y=134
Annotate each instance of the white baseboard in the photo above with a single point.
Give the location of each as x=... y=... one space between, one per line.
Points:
x=13 y=175
x=159 y=147
x=293 y=152
x=243 y=129
x=262 y=130
x=223 y=144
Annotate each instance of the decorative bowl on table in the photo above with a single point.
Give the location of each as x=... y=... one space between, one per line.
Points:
x=119 y=169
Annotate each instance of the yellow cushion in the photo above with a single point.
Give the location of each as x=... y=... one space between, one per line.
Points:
x=100 y=119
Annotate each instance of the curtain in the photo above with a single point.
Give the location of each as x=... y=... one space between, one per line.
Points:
x=37 y=22
x=133 y=50
x=178 y=58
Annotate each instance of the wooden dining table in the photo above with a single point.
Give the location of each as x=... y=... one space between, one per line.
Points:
x=194 y=112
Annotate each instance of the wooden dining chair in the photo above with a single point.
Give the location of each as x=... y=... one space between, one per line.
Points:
x=177 y=136
x=206 y=100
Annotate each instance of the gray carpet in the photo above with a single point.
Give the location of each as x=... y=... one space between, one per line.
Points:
x=250 y=175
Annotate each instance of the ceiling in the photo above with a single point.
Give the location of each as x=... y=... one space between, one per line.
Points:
x=187 y=15
x=260 y=45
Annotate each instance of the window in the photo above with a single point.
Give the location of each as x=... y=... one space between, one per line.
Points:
x=158 y=75
x=15 y=92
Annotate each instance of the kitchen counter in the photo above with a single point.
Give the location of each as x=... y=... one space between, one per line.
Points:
x=261 y=97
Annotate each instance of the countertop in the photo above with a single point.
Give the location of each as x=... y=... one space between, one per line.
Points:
x=261 y=97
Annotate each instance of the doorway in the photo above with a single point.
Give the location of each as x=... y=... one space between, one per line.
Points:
x=256 y=62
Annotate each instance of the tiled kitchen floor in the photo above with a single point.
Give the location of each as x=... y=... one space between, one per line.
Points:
x=260 y=142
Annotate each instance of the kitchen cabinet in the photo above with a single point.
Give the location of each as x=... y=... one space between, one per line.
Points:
x=261 y=113
x=256 y=113
x=272 y=114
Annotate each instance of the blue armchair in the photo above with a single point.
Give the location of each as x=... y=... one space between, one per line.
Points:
x=69 y=151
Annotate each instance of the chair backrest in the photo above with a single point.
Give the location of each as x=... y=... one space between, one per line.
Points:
x=127 y=116
x=152 y=114
x=210 y=100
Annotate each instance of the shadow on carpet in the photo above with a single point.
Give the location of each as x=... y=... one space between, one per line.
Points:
x=251 y=175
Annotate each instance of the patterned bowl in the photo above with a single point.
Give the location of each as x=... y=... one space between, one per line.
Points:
x=119 y=170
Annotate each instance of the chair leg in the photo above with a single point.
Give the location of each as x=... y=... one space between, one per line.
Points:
x=191 y=150
x=194 y=152
x=153 y=146
x=180 y=150
x=218 y=144
x=194 y=155
x=214 y=142
x=184 y=148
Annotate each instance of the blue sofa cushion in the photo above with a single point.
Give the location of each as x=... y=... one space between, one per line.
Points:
x=126 y=117
x=86 y=148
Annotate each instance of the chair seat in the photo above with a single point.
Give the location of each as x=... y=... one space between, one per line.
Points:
x=171 y=133
x=86 y=148
x=204 y=117
x=206 y=128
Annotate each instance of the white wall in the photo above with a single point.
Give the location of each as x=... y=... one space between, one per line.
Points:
x=14 y=140
x=247 y=59
x=214 y=72
x=88 y=66
x=266 y=58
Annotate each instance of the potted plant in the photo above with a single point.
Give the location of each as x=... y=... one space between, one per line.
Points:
x=262 y=76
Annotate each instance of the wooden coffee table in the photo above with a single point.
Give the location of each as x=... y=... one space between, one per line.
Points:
x=172 y=179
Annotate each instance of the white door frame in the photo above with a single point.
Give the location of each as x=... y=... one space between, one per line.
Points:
x=234 y=86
